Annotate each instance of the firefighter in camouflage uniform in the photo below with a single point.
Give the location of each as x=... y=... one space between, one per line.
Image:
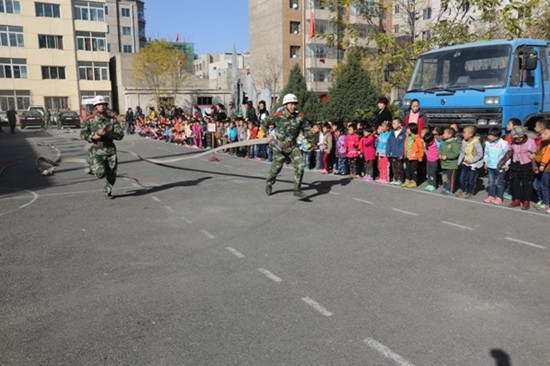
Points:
x=288 y=125
x=101 y=130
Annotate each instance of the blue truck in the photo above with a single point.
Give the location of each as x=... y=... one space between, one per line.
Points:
x=483 y=83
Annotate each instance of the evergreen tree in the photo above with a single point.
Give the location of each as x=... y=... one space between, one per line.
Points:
x=308 y=103
x=352 y=95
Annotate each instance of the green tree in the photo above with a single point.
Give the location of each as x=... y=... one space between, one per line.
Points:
x=160 y=67
x=308 y=101
x=352 y=95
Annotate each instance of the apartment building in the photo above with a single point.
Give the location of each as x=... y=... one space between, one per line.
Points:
x=55 y=53
x=126 y=26
x=217 y=68
x=281 y=37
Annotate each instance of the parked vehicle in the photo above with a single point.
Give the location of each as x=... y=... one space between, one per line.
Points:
x=38 y=108
x=483 y=83
x=4 y=119
x=70 y=119
x=31 y=119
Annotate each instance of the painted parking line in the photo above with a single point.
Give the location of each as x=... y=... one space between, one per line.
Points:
x=315 y=305
x=386 y=352
x=457 y=225
x=235 y=252
x=405 y=212
x=363 y=201
x=525 y=243
x=155 y=198
x=208 y=234
x=269 y=275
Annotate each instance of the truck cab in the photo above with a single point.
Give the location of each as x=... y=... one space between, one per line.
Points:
x=483 y=83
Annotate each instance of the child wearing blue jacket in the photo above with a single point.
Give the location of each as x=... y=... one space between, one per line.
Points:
x=495 y=149
x=395 y=150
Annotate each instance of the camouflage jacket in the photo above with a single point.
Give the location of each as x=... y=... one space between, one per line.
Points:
x=288 y=127
x=114 y=132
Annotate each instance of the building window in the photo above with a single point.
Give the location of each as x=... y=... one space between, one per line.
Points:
x=396 y=9
x=90 y=41
x=294 y=51
x=11 y=36
x=125 y=12
x=396 y=29
x=49 y=41
x=127 y=48
x=13 y=68
x=87 y=10
x=106 y=10
x=95 y=71
x=426 y=35
x=204 y=100
x=294 y=27
x=47 y=10
x=126 y=31
x=56 y=102
x=10 y=6
x=427 y=13
x=20 y=99
x=53 y=72
x=294 y=4
x=318 y=75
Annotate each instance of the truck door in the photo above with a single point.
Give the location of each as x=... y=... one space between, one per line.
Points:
x=525 y=95
x=545 y=64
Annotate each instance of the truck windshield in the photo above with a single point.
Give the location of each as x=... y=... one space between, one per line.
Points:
x=475 y=68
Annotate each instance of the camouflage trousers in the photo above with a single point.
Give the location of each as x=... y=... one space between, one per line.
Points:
x=104 y=166
x=295 y=155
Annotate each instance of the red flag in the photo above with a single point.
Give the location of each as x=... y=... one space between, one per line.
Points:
x=311 y=32
x=177 y=38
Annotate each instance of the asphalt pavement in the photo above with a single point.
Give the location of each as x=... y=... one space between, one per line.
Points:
x=192 y=264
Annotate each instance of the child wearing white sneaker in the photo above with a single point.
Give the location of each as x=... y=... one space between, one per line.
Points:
x=432 y=158
x=368 y=152
x=495 y=149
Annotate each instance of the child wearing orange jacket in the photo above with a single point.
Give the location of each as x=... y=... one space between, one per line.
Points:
x=414 y=153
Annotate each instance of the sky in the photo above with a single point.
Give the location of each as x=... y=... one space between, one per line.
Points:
x=212 y=25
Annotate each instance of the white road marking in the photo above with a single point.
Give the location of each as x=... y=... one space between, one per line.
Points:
x=33 y=200
x=364 y=201
x=334 y=193
x=314 y=304
x=386 y=352
x=208 y=234
x=457 y=225
x=405 y=212
x=269 y=275
x=155 y=198
x=186 y=220
x=169 y=208
x=135 y=184
x=525 y=243
x=126 y=179
x=235 y=252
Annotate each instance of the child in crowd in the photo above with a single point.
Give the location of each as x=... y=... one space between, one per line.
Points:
x=495 y=149
x=541 y=167
x=197 y=135
x=395 y=150
x=448 y=155
x=432 y=160
x=512 y=122
x=540 y=126
x=340 y=150
x=470 y=162
x=381 y=142
x=438 y=136
x=305 y=147
x=458 y=134
x=351 y=143
x=413 y=154
x=521 y=168
x=368 y=152
x=232 y=136
x=327 y=148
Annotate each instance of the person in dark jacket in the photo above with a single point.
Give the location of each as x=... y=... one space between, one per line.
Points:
x=395 y=150
x=384 y=114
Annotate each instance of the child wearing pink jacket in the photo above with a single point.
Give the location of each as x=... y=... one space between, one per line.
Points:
x=351 y=144
x=368 y=151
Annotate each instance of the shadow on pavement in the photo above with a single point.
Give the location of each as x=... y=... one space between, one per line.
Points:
x=501 y=358
x=146 y=191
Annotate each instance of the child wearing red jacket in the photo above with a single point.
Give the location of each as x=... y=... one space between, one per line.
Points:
x=414 y=153
x=368 y=151
x=351 y=144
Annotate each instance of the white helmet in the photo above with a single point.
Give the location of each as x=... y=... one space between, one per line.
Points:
x=290 y=98
x=100 y=100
